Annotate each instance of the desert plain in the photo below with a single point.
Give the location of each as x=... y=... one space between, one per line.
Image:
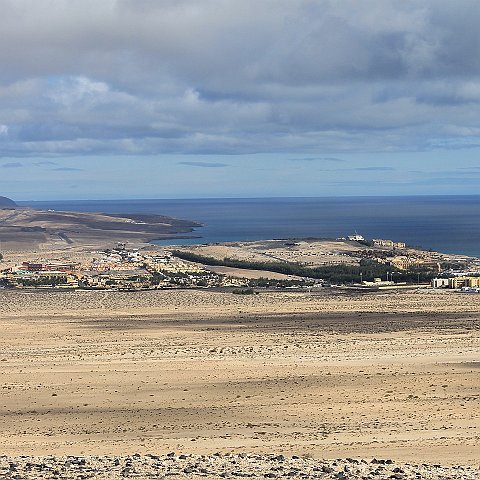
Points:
x=328 y=374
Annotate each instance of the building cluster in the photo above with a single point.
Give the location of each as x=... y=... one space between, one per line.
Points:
x=170 y=270
x=117 y=269
x=32 y=274
x=379 y=242
x=408 y=262
x=397 y=255
x=131 y=269
x=376 y=242
x=406 y=259
x=464 y=283
x=48 y=267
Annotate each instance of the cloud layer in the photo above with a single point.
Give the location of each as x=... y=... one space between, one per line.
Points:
x=142 y=77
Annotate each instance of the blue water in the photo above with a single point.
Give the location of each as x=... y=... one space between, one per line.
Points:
x=449 y=224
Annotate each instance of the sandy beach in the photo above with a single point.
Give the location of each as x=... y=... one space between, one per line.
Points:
x=386 y=375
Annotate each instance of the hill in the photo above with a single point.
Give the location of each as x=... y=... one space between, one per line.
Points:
x=7 y=203
x=27 y=228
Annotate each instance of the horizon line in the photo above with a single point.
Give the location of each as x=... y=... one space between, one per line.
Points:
x=136 y=199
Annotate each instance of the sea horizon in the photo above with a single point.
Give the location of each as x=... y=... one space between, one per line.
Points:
x=255 y=197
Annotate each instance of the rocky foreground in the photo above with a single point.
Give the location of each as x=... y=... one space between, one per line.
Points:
x=222 y=466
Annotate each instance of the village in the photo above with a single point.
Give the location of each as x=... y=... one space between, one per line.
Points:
x=132 y=269
x=118 y=268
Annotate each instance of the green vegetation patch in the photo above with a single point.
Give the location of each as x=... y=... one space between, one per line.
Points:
x=367 y=270
x=243 y=291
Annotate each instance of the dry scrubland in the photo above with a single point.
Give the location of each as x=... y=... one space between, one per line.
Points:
x=28 y=229
x=332 y=375
x=308 y=252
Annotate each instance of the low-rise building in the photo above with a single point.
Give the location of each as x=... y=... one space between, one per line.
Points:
x=460 y=282
x=439 y=282
x=456 y=282
x=356 y=238
x=47 y=267
x=405 y=262
x=380 y=242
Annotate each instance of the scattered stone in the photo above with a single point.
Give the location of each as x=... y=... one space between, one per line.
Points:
x=217 y=466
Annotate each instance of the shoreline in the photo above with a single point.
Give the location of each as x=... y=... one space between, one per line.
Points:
x=279 y=211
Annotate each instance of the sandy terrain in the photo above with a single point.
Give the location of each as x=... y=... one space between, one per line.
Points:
x=308 y=252
x=332 y=375
x=24 y=229
x=246 y=273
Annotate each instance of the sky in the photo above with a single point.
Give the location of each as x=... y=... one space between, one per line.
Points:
x=254 y=98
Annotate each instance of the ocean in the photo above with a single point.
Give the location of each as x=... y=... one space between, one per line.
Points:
x=449 y=224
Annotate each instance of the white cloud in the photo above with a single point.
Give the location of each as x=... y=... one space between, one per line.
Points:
x=72 y=90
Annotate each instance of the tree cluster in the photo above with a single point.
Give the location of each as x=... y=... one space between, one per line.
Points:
x=368 y=269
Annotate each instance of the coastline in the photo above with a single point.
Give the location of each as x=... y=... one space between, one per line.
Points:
x=32 y=229
x=449 y=224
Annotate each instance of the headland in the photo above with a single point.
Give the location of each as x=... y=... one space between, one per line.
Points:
x=27 y=229
x=7 y=202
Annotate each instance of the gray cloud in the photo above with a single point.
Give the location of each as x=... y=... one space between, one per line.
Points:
x=138 y=77
x=204 y=164
x=45 y=163
x=67 y=169
x=448 y=181
x=317 y=159
x=12 y=165
x=375 y=169
x=467 y=172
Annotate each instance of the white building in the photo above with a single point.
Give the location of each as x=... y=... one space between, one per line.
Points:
x=439 y=283
x=356 y=237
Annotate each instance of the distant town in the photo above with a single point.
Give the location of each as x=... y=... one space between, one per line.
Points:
x=114 y=269
x=350 y=262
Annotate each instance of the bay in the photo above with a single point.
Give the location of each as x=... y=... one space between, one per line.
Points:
x=449 y=224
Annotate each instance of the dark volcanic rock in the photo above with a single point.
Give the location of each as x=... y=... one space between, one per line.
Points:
x=241 y=465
